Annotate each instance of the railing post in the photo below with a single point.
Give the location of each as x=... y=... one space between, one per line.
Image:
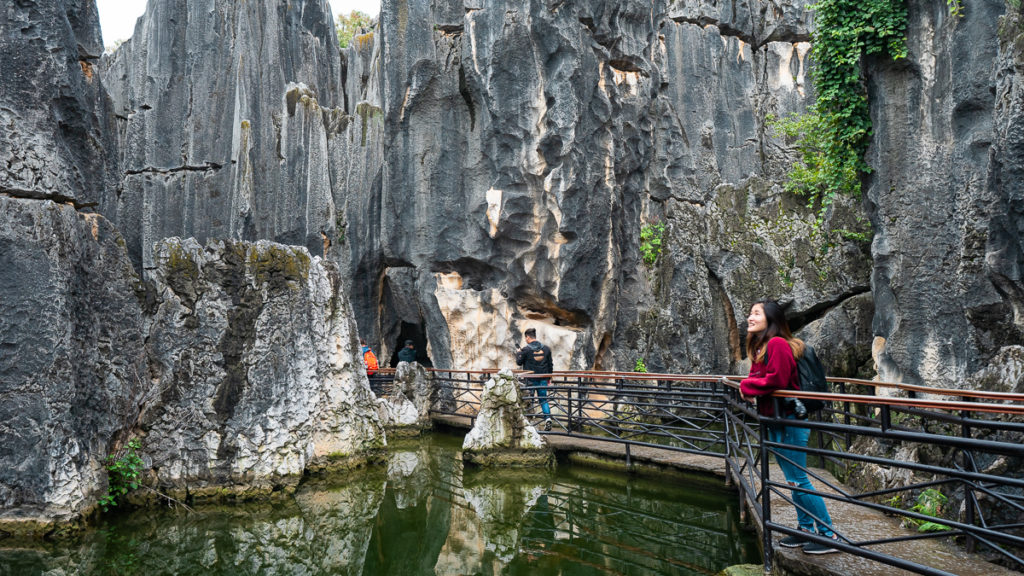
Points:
x=766 y=509
x=568 y=411
x=969 y=499
x=723 y=395
x=846 y=417
x=579 y=401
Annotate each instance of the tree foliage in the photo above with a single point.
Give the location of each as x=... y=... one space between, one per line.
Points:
x=349 y=26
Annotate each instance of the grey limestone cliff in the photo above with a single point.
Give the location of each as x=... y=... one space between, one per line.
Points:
x=253 y=369
x=473 y=168
x=946 y=196
x=225 y=111
x=72 y=366
x=525 y=146
x=58 y=133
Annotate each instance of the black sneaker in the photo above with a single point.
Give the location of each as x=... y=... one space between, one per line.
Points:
x=815 y=548
x=547 y=424
x=794 y=542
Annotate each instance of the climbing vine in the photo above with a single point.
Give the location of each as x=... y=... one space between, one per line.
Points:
x=834 y=135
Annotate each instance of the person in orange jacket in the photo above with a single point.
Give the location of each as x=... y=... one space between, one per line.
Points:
x=369 y=358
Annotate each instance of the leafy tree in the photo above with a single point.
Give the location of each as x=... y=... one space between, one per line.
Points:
x=348 y=26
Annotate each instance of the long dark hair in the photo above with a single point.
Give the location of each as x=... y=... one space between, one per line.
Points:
x=775 y=317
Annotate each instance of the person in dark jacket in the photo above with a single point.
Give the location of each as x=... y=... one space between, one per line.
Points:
x=773 y=351
x=536 y=357
x=408 y=353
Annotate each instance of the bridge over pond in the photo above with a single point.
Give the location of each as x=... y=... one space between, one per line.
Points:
x=898 y=448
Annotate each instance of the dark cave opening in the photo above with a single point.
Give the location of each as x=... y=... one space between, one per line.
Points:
x=417 y=334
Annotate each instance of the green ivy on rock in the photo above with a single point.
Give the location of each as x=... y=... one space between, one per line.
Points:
x=833 y=137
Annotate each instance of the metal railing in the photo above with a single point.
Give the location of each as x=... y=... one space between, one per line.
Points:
x=968 y=451
x=970 y=447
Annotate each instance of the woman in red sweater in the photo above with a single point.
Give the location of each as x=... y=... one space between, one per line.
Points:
x=773 y=351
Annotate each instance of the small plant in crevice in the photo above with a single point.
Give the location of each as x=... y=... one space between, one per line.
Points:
x=651 y=236
x=930 y=503
x=341 y=226
x=640 y=366
x=124 y=470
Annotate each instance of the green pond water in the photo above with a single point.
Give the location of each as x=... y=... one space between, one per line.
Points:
x=424 y=514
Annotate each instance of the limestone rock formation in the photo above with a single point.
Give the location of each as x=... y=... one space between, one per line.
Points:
x=72 y=366
x=526 y=146
x=947 y=195
x=252 y=355
x=227 y=111
x=406 y=409
x=501 y=434
x=468 y=198
x=58 y=139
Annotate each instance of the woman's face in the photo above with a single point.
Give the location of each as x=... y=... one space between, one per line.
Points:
x=756 y=322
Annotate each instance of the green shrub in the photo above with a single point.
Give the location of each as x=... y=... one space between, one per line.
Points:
x=123 y=473
x=929 y=502
x=640 y=366
x=833 y=136
x=651 y=242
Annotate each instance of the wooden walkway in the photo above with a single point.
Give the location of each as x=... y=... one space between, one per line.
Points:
x=855 y=522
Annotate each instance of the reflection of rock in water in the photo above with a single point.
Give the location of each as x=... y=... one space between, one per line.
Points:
x=488 y=519
x=339 y=525
x=325 y=530
x=422 y=516
x=408 y=478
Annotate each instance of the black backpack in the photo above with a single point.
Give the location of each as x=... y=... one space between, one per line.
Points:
x=812 y=379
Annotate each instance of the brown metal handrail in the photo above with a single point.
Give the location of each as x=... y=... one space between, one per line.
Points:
x=910 y=402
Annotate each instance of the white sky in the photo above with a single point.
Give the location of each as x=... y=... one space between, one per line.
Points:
x=117 y=17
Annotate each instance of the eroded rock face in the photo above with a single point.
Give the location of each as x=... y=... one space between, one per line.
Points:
x=525 y=148
x=226 y=112
x=501 y=434
x=58 y=139
x=72 y=366
x=947 y=196
x=252 y=357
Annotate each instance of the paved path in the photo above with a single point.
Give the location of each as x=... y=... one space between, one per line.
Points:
x=854 y=522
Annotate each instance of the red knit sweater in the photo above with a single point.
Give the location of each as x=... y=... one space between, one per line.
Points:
x=777 y=372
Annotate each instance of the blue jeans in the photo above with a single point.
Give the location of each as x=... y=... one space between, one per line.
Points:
x=807 y=503
x=540 y=389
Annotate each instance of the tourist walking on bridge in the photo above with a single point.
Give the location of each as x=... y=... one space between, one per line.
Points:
x=773 y=351
x=536 y=357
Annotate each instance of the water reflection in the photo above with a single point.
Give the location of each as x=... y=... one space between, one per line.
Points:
x=423 y=515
